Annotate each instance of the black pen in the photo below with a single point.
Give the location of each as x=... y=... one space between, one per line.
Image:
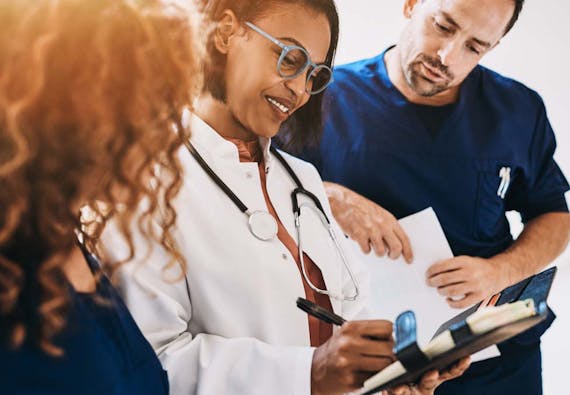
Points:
x=317 y=311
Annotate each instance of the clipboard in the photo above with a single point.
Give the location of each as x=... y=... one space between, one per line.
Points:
x=519 y=308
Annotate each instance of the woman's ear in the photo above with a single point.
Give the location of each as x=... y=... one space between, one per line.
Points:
x=226 y=28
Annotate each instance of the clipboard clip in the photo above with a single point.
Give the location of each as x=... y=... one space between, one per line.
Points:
x=406 y=348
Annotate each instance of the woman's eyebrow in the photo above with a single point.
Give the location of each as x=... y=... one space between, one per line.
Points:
x=297 y=43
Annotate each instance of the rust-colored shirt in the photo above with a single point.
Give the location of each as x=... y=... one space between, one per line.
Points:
x=320 y=332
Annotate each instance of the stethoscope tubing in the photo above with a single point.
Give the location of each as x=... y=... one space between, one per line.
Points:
x=300 y=189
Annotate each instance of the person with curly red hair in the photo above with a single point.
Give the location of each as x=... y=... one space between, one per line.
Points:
x=89 y=91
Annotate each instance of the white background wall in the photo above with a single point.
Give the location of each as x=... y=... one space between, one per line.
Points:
x=536 y=52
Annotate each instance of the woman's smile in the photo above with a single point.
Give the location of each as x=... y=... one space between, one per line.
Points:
x=280 y=107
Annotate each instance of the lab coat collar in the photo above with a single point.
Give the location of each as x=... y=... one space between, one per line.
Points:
x=211 y=143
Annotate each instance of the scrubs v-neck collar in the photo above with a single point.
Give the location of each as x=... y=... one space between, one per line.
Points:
x=397 y=99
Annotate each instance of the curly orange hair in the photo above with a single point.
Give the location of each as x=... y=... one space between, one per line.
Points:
x=89 y=94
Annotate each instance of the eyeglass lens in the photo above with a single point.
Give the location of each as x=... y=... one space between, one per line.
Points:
x=294 y=61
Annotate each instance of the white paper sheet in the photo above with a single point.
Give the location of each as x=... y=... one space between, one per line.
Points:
x=397 y=286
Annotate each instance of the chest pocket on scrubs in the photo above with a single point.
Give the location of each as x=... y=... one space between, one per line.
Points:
x=493 y=183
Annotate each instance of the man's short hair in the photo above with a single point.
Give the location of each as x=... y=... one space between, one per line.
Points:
x=518 y=8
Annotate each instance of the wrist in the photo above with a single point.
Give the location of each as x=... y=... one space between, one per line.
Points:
x=336 y=194
x=502 y=272
x=317 y=372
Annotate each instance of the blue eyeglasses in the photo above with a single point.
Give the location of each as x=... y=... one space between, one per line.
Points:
x=295 y=60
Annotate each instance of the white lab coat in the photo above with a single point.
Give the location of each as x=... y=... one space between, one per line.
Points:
x=231 y=326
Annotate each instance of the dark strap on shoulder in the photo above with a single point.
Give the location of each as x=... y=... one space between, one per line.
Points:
x=92 y=261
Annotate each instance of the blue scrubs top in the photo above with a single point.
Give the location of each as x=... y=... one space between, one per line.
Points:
x=376 y=143
x=455 y=159
x=104 y=353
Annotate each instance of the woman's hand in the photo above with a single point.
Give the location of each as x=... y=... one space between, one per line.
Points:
x=355 y=352
x=431 y=380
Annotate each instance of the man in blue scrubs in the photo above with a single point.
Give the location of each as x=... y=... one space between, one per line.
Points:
x=424 y=125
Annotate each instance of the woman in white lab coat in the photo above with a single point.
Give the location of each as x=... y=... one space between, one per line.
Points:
x=232 y=326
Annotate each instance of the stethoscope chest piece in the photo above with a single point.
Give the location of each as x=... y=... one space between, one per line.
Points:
x=262 y=225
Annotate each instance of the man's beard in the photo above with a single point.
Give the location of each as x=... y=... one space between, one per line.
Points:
x=418 y=83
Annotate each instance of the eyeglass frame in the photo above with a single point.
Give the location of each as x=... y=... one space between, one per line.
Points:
x=285 y=49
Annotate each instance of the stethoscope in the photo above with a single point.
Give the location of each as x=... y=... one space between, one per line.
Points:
x=263 y=226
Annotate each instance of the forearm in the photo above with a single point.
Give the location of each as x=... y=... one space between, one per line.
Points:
x=542 y=240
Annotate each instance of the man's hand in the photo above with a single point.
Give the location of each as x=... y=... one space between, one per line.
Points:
x=355 y=352
x=541 y=241
x=431 y=380
x=371 y=226
x=466 y=280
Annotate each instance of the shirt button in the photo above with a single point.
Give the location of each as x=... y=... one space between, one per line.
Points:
x=284 y=256
x=248 y=175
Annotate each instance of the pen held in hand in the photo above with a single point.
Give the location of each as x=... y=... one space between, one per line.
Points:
x=317 y=311
x=326 y=316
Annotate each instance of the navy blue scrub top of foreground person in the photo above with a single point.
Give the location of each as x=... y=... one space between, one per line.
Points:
x=407 y=157
x=104 y=353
